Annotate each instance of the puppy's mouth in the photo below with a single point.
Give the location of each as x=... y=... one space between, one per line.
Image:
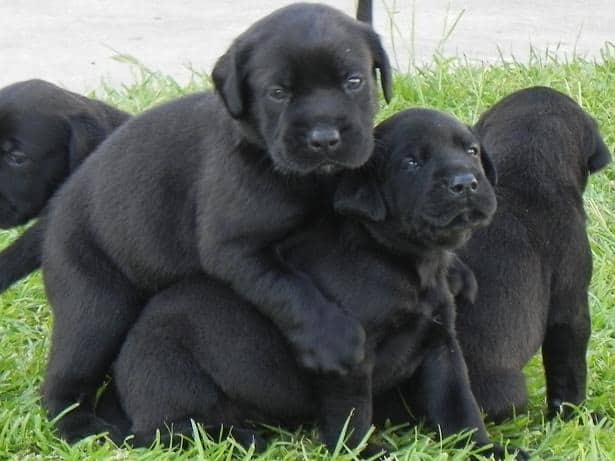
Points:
x=467 y=219
x=329 y=168
x=291 y=155
x=326 y=167
x=451 y=231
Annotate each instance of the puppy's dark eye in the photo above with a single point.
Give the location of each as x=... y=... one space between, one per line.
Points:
x=473 y=151
x=16 y=158
x=353 y=83
x=278 y=94
x=410 y=163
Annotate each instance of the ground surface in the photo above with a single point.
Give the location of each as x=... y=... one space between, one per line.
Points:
x=451 y=85
x=72 y=42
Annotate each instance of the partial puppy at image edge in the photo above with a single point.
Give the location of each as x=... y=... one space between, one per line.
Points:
x=45 y=134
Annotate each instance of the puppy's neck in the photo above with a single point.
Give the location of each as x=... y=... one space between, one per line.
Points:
x=394 y=242
x=426 y=263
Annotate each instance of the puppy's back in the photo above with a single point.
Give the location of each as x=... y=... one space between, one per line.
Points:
x=147 y=169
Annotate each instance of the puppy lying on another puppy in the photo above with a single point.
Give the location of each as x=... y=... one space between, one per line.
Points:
x=533 y=263
x=210 y=183
x=384 y=259
x=45 y=134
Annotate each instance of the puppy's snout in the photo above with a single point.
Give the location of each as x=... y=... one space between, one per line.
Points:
x=324 y=139
x=462 y=184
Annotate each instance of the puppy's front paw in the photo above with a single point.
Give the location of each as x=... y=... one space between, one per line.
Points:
x=461 y=281
x=567 y=412
x=333 y=344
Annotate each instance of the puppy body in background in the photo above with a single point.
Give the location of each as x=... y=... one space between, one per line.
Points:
x=384 y=261
x=45 y=134
x=533 y=264
x=212 y=182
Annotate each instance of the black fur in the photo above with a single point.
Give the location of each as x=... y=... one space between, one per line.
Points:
x=533 y=264
x=45 y=133
x=384 y=260
x=210 y=183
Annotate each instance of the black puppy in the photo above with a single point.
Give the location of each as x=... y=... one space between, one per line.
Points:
x=45 y=133
x=533 y=264
x=384 y=261
x=210 y=183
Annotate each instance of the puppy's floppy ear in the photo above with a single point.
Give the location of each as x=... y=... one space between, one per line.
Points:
x=601 y=156
x=228 y=79
x=488 y=166
x=358 y=195
x=381 y=62
x=86 y=133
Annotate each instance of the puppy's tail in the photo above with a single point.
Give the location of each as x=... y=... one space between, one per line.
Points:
x=364 y=11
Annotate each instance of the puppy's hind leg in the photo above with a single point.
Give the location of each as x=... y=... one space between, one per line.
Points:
x=162 y=387
x=500 y=393
x=443 y=396
x=93 y=310
x=175 y=433
x=346 y=398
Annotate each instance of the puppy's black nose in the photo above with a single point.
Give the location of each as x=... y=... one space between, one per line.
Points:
x=324 y=139
x=462 y=183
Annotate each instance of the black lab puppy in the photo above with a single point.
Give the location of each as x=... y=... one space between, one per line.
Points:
x=533 y=264
x=211 y=182
x=384 y=261
x=45 y=133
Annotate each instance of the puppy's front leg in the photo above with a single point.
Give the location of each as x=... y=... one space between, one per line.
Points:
x=461 y=280
x=564 y=349
x=324 y=337
x=22 y=256
x=445 y=398
x=238 y=244
x=346 y=398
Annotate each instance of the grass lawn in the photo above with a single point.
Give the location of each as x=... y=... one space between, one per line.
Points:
x=452 y=85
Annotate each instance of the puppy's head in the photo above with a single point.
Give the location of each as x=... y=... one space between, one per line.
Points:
x=430 y=183
x=302 y=82
x=543 y=137
x=44 y=134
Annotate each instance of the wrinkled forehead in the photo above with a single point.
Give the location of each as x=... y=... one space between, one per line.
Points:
x=313 y=51
x=31 y=129
x=431 y=134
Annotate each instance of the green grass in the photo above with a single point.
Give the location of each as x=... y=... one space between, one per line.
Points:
x=448 y=84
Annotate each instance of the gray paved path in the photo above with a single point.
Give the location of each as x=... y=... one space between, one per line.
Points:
x=71 y=42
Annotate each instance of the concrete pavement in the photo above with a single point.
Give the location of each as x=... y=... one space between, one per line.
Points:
x=72 y=42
